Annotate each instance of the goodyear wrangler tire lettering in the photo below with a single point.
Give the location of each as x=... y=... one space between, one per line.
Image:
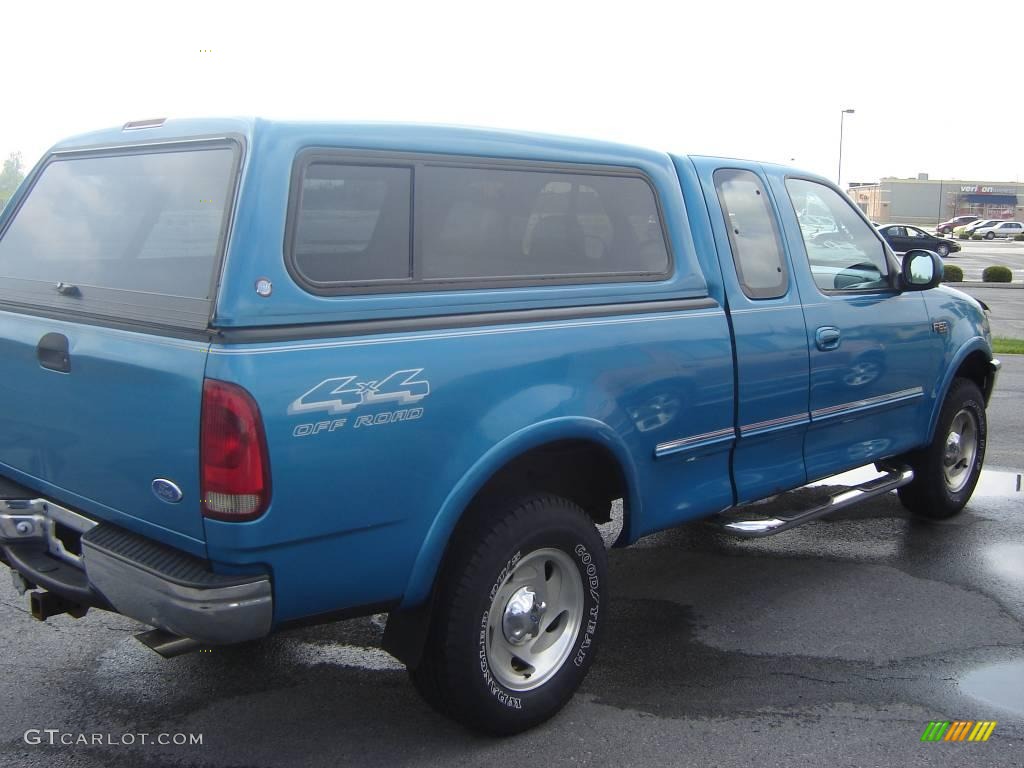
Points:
x=593 y=583
x=516 y=620
x=493 y=687
x=504 y=572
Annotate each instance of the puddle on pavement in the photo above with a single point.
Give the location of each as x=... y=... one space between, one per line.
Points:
x=1006 y=560
x=997 y=482
x=1000 y=685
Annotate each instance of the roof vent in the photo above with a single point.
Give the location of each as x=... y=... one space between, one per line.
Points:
x=138 y=125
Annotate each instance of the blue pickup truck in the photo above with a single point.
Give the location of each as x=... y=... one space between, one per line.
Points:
x=258 y=374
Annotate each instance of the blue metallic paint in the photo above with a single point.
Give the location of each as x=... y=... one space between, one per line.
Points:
x=266 y=193
x=127 y=413
x=596 y=375
x=534 y=436
x=886 y=347
x=770 y=359
x=966 y=337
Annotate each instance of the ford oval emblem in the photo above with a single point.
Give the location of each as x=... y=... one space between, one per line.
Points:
x=167 y=491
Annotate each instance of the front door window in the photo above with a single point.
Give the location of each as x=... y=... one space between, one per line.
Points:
x=845 y=254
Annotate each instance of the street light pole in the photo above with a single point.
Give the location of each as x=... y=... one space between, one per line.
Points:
x=842 y=117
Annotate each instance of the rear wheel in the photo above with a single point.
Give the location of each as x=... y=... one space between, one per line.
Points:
x=517 y=617
x=946 y=471
x=990 y=235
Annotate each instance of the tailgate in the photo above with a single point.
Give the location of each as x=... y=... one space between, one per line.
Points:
x=107 y=273
x=126 y=414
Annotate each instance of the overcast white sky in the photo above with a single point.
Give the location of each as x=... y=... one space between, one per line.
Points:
x=934 y=90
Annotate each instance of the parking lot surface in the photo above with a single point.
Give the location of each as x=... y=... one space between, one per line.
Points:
x=1006 y=306
x=834 y=644
x=976 y=255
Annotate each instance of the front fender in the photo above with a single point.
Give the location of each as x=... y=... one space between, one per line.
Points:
x=972 y=345
x=432 y=551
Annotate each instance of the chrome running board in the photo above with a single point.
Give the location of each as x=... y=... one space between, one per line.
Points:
x=749 y=521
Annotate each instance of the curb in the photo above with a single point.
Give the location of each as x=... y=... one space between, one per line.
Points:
x=980 y=284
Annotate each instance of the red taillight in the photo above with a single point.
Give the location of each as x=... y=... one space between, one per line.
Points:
x=233 y=454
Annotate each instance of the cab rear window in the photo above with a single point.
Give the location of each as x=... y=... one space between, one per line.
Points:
x=136 y=235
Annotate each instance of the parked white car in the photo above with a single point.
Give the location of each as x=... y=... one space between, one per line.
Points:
x=968 y=229
x=1002 y=229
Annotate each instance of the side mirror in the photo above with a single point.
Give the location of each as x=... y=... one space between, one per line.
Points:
x=921 y=270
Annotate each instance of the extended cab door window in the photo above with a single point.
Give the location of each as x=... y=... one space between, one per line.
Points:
x=753 y=234
x=843 y=251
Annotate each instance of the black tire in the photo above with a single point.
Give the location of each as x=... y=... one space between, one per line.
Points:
x=942 y=250
x=456 y=675
x=932 y=494
x=990 y=235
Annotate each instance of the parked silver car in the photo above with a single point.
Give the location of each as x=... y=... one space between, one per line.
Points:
x=1002 y=229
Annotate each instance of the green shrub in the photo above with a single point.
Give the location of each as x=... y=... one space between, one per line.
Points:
x=1018 y=237
x=951 y=273
x=997 y=274
x=963 y=236
x=977 y=237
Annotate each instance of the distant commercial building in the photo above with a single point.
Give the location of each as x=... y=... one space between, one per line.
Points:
x=926 y=202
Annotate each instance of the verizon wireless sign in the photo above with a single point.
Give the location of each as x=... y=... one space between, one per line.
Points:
x=977 y=189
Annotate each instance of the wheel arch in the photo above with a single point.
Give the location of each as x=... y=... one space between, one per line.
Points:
x=510 y=455
x=972 y=361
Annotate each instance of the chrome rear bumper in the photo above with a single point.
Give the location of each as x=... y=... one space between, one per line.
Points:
x=100 y=565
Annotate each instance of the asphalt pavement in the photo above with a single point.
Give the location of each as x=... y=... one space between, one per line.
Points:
x=1006 y=305
x=834 y=644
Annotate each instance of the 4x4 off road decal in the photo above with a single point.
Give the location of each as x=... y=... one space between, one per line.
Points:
x=344 y=394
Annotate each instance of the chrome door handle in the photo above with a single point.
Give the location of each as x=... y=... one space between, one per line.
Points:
x=827 y=338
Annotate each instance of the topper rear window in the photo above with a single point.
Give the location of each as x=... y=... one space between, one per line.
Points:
x=134 y=235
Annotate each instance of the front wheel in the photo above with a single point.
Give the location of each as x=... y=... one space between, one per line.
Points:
x=943 y=251
x=946 y=471
x=518 y=615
